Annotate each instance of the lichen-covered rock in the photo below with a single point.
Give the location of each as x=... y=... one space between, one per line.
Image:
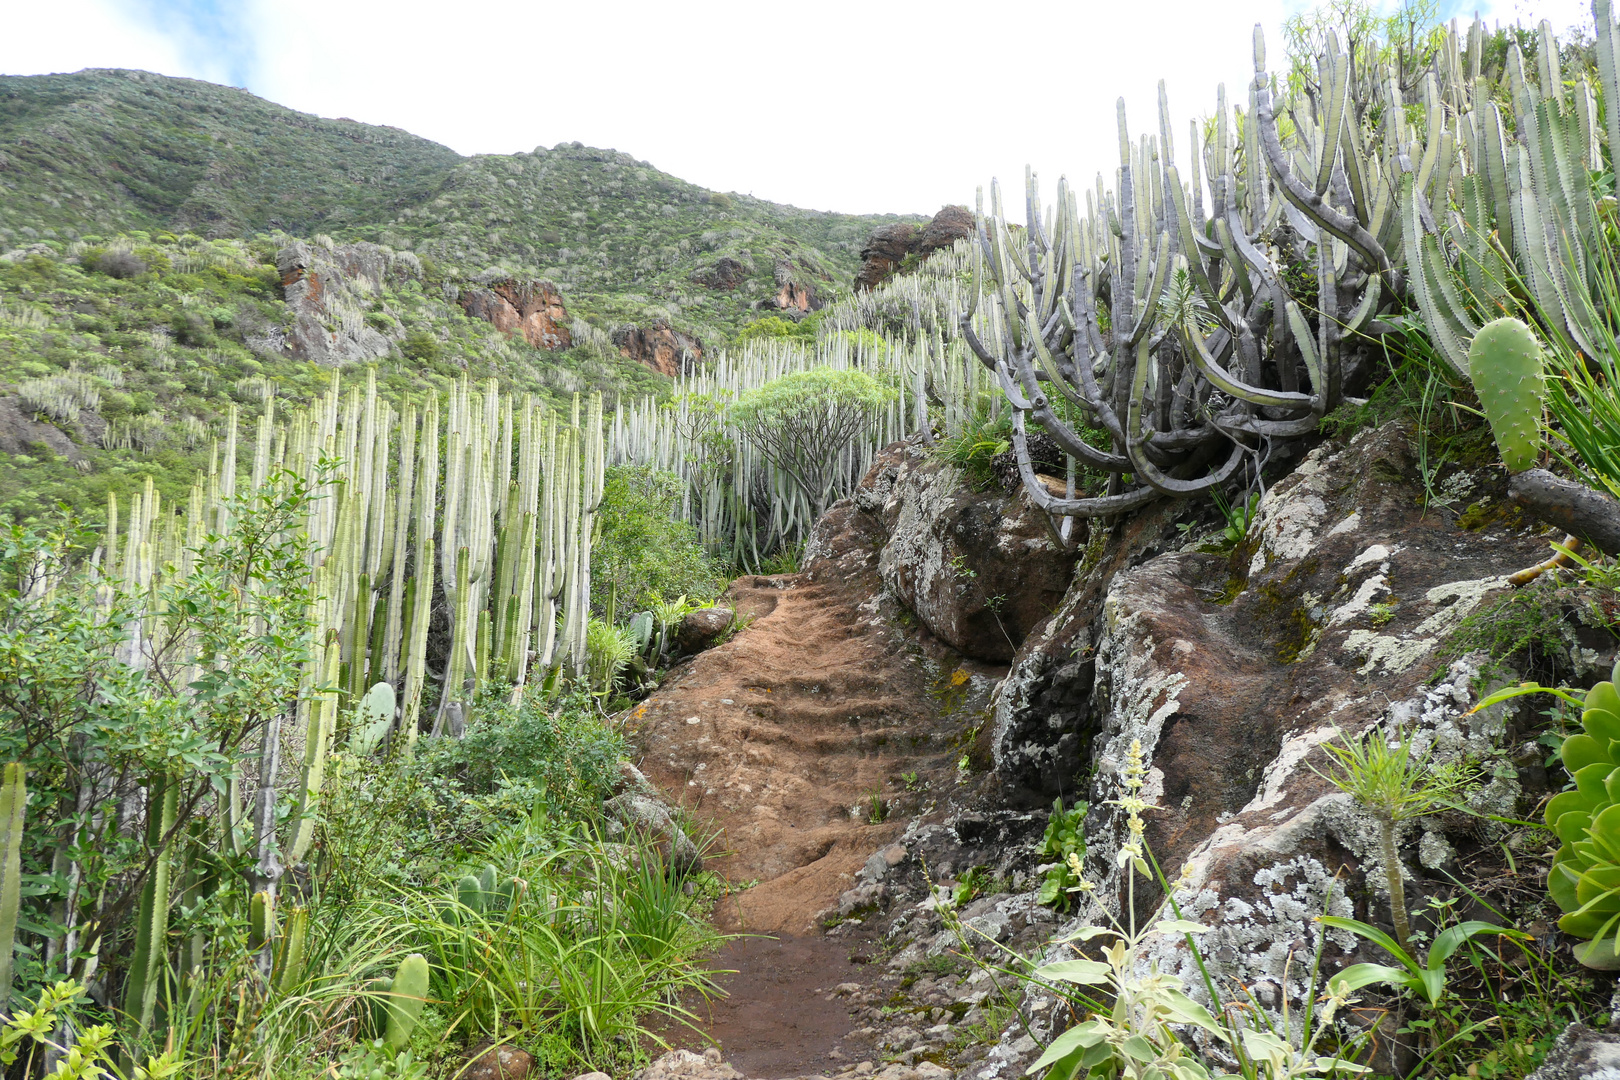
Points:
x=1230 y=671
x=1581 y=1054
x=651 y=818
x=685 y=1065
x=979 y=570
x=328 y=288
x=700 y=629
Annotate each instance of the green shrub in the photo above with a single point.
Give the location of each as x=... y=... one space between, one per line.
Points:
x=420 y=345
x=192 y=328
x=776 y=328
x=643 y=552
x=555 y=753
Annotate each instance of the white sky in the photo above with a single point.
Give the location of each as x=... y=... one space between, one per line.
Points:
x=863 y=106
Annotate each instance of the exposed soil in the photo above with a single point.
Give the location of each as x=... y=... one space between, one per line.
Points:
x=779 y=1017
x=777 y=742
x=780 y=739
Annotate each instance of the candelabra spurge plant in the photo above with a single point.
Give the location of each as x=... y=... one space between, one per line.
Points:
x=1173 y=341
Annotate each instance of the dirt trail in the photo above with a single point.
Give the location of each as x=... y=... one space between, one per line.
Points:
x=780 y=739
x=777 y=741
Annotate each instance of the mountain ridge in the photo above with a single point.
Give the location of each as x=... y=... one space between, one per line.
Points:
x=109 y=150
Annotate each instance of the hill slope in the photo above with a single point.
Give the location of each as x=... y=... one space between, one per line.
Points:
x=106 y=151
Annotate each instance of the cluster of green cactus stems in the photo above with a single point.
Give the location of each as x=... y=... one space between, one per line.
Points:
x=741 y=503
x=13 y=810
x=486 y=500
x=1205 y=310
x=491 y=504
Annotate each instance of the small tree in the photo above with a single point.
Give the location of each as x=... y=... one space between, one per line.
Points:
x=804 y=421
x=1394 y=784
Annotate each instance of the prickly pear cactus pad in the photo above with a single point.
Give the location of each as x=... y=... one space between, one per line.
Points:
x=1505 y=364
x=1585 y=875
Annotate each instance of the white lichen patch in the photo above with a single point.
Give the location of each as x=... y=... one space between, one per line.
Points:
x=1393 y=654
x=1266 y=936
x=1142 y=692
x=1291 y=513
x=1348 y=525
x=1361 y=603
x=1273 y=782
x=1288 y=532
x=1460 y=598
x=1376 y=555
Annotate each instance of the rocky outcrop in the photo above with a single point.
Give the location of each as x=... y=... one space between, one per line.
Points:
x=888 y=248
x=24 y=432
x=1228 y=668
x=531 y=309
x=651 y=818
x=659 y=347
x=980 y=570
x=795 y=288
x=328 y=288
x=726 y=273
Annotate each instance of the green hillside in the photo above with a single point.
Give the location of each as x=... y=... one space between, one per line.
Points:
x=108 y=150
x=141 y=222
x=105 y=151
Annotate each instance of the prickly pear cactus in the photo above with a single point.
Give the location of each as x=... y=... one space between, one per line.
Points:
x=1585 y=875
x=470 y=893
x=372 y=719
x=1505 y=364
x=406 y=995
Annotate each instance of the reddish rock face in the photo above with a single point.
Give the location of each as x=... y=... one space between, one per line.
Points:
x=794 y=295
x=885 y=250
x=889 y=246
x=949 y=225
x=533 y=309
x=660 y=347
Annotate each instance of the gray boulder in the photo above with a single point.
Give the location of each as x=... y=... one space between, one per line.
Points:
x=642 y=814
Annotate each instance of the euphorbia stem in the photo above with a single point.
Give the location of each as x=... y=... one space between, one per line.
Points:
x=1397 y=885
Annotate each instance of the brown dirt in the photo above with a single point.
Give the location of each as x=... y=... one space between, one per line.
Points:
x=778 y=739
x=775 y=742
x=779 y=1016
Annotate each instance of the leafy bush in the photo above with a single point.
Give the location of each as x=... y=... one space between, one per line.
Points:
x=555 y=753
x=1063 y=846
x=644 y=553
x=776 y=328
x=420 y=345
x=118 y=263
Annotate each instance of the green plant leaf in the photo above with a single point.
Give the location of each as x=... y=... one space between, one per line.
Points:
x=1356 y=976
x=1084 y=972
x=1137 y=1047
x=1076 y=1038
x=1374 y=935
x=1180 y=926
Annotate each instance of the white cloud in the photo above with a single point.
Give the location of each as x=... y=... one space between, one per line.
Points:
x=845 y=104
x=66 y=35
x=854 y=105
